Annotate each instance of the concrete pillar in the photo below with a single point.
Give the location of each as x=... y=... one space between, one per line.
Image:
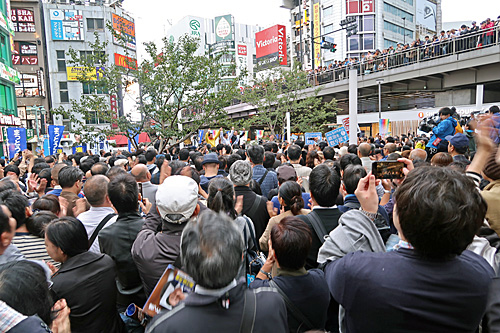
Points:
x=353 y=106
x=288 y=134
x=479 y=96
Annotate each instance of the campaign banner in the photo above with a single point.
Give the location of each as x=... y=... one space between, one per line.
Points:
x=201 y=135
x=294 y=137
x=312 y=137
x=383 y=126
x=16 y=136
x=337 y=136
x=80 y=149
x=259 y=134
x=55 y=136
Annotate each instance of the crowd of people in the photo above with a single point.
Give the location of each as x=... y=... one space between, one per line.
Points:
x=462 y=39
x=277 y=237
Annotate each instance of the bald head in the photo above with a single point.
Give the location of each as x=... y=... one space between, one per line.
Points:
x=418 y=154
x=96 y=190
x=390 y=147
x=364 y=150
x=141 y=173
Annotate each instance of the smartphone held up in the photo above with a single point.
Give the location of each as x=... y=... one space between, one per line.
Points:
x=388 y=169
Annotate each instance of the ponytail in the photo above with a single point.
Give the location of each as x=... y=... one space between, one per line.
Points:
x=297 y=203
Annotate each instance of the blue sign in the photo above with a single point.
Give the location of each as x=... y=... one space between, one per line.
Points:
x=337 y=136
x=200 y=136
x=310 y=138
x=57 y=30
x=16 y=136
x=55 y=135
x=294 y=137
x=80 y=149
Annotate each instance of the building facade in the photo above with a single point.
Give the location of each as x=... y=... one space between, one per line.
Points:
x=380 y=25
x=69 y=25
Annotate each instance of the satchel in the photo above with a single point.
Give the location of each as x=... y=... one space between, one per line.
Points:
x=254 y=259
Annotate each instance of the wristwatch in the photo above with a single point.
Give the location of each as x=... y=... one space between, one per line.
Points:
x=371 y=216
x=269 y=276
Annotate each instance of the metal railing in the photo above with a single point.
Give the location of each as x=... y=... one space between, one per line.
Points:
x=408 y=56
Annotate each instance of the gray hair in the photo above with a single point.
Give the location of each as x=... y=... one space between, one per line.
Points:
x=211 y=249
x=241 y=173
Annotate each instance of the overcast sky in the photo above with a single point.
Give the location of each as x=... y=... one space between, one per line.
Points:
x=153 y=18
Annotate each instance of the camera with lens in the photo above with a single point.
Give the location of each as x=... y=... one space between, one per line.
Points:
x=428 y=123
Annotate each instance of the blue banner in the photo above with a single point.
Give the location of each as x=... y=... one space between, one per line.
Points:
x=55 y=135
x=337 y=136
x=16 y=136
x=80 y=149
x=201 y=136
x=310 y=138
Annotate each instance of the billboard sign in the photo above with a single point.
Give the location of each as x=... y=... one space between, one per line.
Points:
x=73 y=73
x=426 y=14
x=126 y=29
x=224 y=28
x=337 y=136
x=124 y=61
x=360 y=6
x=242 y=49
x=24 y=53
x=66 y=24
x=23 y=20
x=316 y=35
x=270 y=45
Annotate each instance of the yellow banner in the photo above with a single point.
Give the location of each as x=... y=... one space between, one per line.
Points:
x=73 y=73
x=316 y=34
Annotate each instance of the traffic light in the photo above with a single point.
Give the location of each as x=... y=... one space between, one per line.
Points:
x=333 y=48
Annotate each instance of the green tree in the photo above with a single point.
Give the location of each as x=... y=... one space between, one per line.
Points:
x=177 y=86
x=280 y=91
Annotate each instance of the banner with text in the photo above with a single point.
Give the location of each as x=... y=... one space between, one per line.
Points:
x=55 y=136
x=337 y=136
x=312 y=138
x=16 y=136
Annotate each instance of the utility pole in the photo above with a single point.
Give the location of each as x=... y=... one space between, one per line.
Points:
x=301 y=58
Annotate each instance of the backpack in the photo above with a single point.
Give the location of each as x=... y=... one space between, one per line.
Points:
x=382 y=225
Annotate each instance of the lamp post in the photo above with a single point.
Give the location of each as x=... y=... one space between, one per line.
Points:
x=379 y=82
x=404 y=31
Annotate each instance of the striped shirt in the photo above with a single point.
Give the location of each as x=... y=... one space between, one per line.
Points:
x=32 y=247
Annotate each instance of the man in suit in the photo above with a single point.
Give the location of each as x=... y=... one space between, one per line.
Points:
x=142 y=176
x=324 y=183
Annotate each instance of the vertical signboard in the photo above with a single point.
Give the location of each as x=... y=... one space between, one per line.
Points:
x=66 y=24
x=23 y=20
x=316 y=36
x=16 y=136
x=224 y=28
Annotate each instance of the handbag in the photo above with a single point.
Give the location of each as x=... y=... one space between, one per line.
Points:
x=254 y=259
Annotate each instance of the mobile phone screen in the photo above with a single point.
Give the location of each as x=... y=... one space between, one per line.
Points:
x=388 y=170
x=140 y=191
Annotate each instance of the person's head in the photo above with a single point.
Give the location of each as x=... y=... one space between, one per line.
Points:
x=208 y=243
x=18 y=205
x=294 y=153
x=290 y=240
x=286 y=173
x=221 y=196
x=491 y=169
x=100 y=168
x=39 y=167
x=269 y=160
x=70 y=179
x=324 y=184
x=151 y=156
x=65 y=238
x=458 y=144
x=441 y=159
x=124 y=193
x=177 y=199
x=184 y=154
x=198 y=163
x=210 y=163
x=351 y=177
x=494 y=109
x=6 y=184
x=255 y=187
x=241 y=173
x=389 y=148
x=191 y=173
x=438 y=211
x=290 y=197
x=329 y=153
x=352 y=149
x=256 y=154
x=50 y=161
x=418 y=154
x=445 y=113
x=12 y=170
x=115 y=171
x=231 y=159
x=96 y=190
x=349 y=159
x=141 y=173
x=48 y=202
x=55 y=173
x=24 y=287
x=364 y=150
x=311 y=157
x=37 y=222
x=7 y=228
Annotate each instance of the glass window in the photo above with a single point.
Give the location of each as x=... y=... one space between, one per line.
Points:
x=389 y=43
x=100 y=24
x=60 y=54
x=63 y=85
x=353 y=43
x=368 y=41
x=328 y=11
x=397 y=29
x=61 y=62
x=328 y=29
x=95 y=24
x=90 y=24
x=63 y=92
x=369 y=23
x=398 y=12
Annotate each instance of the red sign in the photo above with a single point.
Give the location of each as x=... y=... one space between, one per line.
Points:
x=124 y=61
x=270 y=41
x=360 y=6
x=345 y=123
x=114 y=108
x=242 y=50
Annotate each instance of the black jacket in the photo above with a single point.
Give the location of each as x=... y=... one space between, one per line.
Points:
x=330 y=219
x=261 y=217
x=116 y=241
x=87 y=282
x=199 y=313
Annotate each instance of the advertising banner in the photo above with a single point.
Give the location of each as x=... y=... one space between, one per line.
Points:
x=312 y=137
x=24 y=53
x=55 y=136
x=73 y=73
x=124 y=61
x=270 y=45
x=224 y=28
x=9 y=73
x=66 y=24
x=23 y=20
x=360 y=6
x=126 y=29
x=79 y=149
x=16 y=136
x=426 y=14
x=316 y=35
x=337 y=136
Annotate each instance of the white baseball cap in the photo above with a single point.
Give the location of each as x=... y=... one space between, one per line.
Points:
x=178 y=195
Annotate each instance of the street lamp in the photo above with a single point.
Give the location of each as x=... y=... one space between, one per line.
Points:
x=404 y=31
x=35 y=110
x=379 y=82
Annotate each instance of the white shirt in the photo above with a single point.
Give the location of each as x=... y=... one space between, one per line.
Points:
x=91 y=219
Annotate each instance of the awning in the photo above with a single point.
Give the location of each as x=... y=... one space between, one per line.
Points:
x=144 y=137
x=121 y=140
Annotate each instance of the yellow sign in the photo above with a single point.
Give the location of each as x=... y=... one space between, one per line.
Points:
x=316 y=35
x=73 y=73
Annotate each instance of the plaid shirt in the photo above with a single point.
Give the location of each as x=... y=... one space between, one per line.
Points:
x=9 y=317
x=269 y=183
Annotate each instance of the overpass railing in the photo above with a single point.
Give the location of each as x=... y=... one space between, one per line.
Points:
x=412 y=55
